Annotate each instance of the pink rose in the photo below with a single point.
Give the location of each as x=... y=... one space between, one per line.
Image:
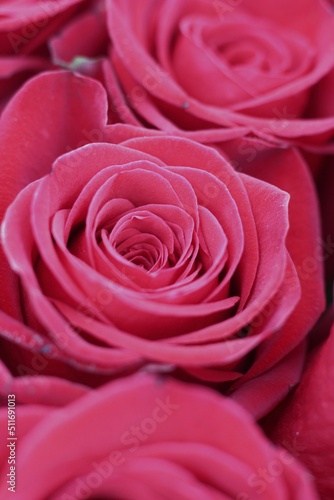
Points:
x=305 y=423
x=154 y=249
x=145 y=437
x=203 y=68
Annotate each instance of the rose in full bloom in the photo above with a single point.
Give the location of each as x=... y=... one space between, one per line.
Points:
x=203 y=68
x=141 y=248
x=36 y=34
x=144 y=437
x=305 y=423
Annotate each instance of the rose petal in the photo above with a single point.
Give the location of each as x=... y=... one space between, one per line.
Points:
x=34 y=157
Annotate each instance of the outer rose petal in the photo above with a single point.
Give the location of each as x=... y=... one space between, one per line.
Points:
x=289 y=172
x=68 y=122
x=305 y=423
x=181 y=439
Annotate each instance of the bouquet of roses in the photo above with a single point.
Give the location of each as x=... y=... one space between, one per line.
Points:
x=167 y=249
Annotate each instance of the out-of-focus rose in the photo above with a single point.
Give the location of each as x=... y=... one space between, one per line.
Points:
x=204 y=67
x=154 y=249
x=305 y=423
x=36 y=34
x=144 y=437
